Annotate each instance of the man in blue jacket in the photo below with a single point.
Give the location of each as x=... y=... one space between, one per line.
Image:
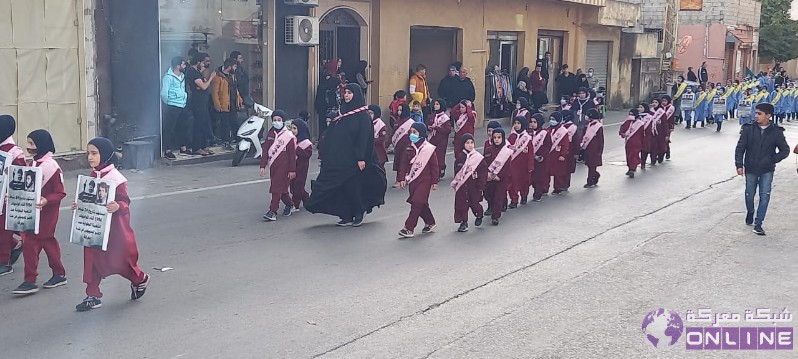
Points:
x=756 y=157
x=174 y=96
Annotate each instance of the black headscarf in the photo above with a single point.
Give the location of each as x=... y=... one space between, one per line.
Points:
x=538 y=117
x=557 y=116
x=405 y=112
x=377 y=111
x=421 y=128
x=7 y=127
x=567 y=115
x=522 y=120
x=504 y=137
x=107 y=152
x=43 y=141
x=646 y=108
x=523 y=75
x=302 y=131
x=634 y=113
x=524 y=102
x=465 y=138
x=593 y=114
x=493 y=125
x=442 y=102
x=281 y=114
x=357 y=100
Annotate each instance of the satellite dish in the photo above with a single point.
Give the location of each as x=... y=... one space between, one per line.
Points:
x=305 y=30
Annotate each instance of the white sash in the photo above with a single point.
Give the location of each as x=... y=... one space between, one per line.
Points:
x=15 y=151
x=669 y=112
x=49 y=166
x=304 y=144
x=633 y=128
x=440 y=120
x=378 y=126
x=571 y=130
x=521 y=143
x=557 y=137
x=472 y=161
x=401 y=131
x=461 y=121
x=539 y=139
x=417 y=164
x=501 y=158
x=281 y=141
x=590 y=133
x=111 y=173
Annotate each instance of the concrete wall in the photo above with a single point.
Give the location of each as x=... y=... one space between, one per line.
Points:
x=728 y=12
x=708 y=43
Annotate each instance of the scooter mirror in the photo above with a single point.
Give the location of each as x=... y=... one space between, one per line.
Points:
x=262 y=111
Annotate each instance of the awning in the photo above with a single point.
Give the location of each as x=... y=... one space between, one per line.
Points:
x=588 y=2
x=739 y=37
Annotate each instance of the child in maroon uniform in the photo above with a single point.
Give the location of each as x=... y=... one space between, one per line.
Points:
x=380 y=135
x=280 y=158
x=419 y=171
x=10 y=248
x=40 y=145
x=558 y=154
x=439 y=127
x=593 y=145
x=400 y=139
x=541 y=142
x=465 y=119
x=304 y=150
x=632 y=133
x=498 y=156
x=468 y=183
x=122 y=254
x=523 y=161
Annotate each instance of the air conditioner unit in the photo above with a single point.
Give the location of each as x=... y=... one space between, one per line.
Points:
x=301 y=30
x=303 y=2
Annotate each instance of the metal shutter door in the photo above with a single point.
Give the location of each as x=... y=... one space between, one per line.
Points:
x=598 y=57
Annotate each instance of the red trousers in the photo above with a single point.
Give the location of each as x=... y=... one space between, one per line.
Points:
x=496 y=195
x=92 y=276
x=519 y=188
x=274 y=206
x=7 y=243
x=467 y=198
x=33 y=247
x=561 y=182
x=419 y=210
x=540 y=181
x=298 y=192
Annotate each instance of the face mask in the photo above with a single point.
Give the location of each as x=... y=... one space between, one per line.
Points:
x=589 y=74
x=563 y=102
x=414 y=137
x=278 y=125
x=553 y=123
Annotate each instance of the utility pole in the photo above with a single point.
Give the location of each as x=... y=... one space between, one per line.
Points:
x=669 y=33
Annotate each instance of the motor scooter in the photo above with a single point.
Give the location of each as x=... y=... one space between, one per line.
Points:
x=250 y=134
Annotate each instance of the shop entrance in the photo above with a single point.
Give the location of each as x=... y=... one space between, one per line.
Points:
x=435 y=48
x=340 y=38
x=552 y=42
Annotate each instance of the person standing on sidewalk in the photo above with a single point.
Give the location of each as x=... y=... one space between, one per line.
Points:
x=755 y=157
x=226 y=100
x=175 y=97
x=199 y=99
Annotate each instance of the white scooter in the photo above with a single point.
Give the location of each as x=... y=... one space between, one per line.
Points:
x=249 y=134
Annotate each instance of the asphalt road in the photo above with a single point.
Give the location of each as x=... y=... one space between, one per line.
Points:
x=571 y=277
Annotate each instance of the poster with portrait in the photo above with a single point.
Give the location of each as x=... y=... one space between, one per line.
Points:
x=5 y=161
x=24 y=191
x=91 y=221
x=719 y=106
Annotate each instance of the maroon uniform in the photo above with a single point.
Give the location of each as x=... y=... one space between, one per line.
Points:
x=540 y=176
x=469 y=195
x=7 y=240
x=284 y=162
x=439 y=136
x=594 y=150
x=496 y=189
x=521 y=168
x=467 y=128
x=303 y=153
x=634 y=143
x=557 y=159
x=380 y=141
x=421 y=186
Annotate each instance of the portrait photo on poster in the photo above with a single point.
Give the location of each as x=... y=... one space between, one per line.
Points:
x=91 y=221
x=24 y=193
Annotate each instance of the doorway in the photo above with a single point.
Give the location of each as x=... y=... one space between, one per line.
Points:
x=598 y=58
x=500 y=80
x=436 y=48
x=340 y=38
x=553 y=43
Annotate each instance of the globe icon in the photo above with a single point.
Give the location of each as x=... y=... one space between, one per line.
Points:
x=663 y=326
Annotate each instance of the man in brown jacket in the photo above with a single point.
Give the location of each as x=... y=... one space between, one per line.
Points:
x=226 y=101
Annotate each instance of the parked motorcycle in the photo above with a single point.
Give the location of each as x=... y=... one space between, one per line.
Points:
x=250 y=134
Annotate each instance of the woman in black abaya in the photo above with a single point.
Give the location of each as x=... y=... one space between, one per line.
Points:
x=351 y=181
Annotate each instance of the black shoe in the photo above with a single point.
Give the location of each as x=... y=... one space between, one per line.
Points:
x=358 y=221
x=537 y=200
x=443 y=173
x=667 y=155
x=631 y=175
x=749 y=218
x=4 y=269
x=170 y=155
x=406 y=234
x=137 y=291
x=344 y=223
x=428 y=229
x=504 y=208
x=488 y=212
x=478 y=221
x=556 y=192
x=26 y=288
x=590 y=185
x=88 y=304
x=758 y=230
x=494 y=222
x=15 y=253
x=523 y=200
x=288 y=210
x=463 y=227
x=512 y=206
x=270 y=216
x=55 y=281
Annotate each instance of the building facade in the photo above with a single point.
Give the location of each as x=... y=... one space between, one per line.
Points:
x=722 y=33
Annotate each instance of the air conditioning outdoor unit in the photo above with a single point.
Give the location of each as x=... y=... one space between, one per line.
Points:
x=301 y=30
x=303 y=2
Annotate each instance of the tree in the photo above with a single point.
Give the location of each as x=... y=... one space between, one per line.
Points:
x=778 y=34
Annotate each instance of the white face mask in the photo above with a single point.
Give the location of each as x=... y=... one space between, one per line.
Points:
x=589 y=74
